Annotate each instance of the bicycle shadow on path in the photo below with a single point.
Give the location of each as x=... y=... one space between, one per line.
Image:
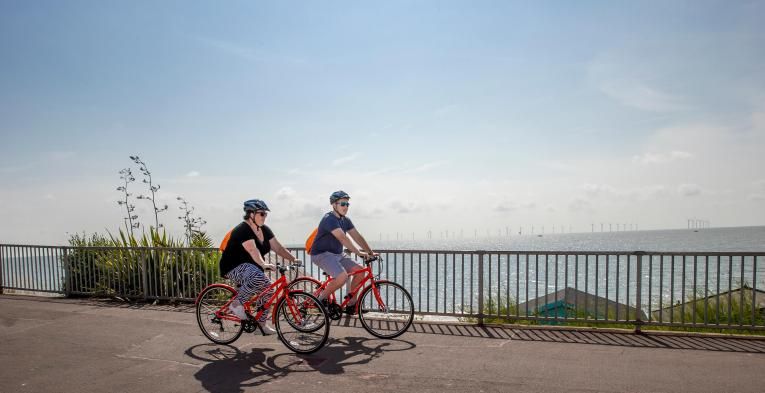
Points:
x=646 y=339
x=229 y=369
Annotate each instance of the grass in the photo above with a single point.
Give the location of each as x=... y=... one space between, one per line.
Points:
x=500 y=311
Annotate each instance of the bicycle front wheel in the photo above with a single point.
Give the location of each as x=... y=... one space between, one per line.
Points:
x=306 y=284
x=301 y=322
x=386 y=309
x=219 y=330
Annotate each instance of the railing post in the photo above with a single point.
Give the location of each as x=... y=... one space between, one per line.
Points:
x=67 y=273
x=1 y=270
x=481 y=255
x=145 y=277
x=639 y=290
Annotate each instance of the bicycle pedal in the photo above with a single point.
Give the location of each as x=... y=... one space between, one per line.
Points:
x=334 y=312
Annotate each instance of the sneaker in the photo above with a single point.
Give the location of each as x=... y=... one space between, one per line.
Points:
x=267 y=330
x=237 y=309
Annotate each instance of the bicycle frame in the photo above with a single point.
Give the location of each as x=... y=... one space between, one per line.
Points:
x=280 y=291
x=361 y=287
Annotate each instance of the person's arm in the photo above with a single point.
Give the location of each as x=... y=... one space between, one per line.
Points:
x=281 y=251
x=361 y=241
x=250 y=247
x=347 y=243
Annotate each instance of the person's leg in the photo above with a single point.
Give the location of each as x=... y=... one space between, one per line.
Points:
x=239 y=275
x=333 y=285
x=350 y=266
x=256 y=282
x=260 y=282
x=330 y=263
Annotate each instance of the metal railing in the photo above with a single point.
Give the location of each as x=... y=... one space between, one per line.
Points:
x=716 y=290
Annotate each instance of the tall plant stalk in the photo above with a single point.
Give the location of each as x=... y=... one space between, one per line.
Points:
x=152 y=188
x=127 y=177
x=193 y=225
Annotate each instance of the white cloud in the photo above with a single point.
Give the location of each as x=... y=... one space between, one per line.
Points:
x=444 y=110
x=661 y=158
x=598 y=189
x=559 y=166
x=247 y=52
x=637 y=95
x=630 y=86
x=44 y=159
x=581 y=205
x=403 y=207
x=378 y=172
x=346 y=159
x=192 y=174
x=654 y=191
x=506 y=206
x=285 y=193
x=689 y=190
x=427 y=166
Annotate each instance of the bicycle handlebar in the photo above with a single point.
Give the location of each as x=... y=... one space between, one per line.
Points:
x=282 y=268
x=366 y=260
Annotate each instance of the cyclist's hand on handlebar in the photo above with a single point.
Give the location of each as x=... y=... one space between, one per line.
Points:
x=269 y=266
x=368 y=256
x=297 y=262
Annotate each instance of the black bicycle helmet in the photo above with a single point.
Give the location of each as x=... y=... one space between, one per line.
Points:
x=254 y=205
x=337 y=195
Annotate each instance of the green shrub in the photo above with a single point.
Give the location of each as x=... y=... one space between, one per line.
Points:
x=150 y=266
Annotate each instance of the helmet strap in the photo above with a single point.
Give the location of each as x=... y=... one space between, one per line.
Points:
x=249 y=217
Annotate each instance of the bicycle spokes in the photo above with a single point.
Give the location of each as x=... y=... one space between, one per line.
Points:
x=386 y=309
x=215 y=323
x=301 y=322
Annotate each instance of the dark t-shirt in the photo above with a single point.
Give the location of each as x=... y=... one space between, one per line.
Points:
x=325 y=241
x=235 y=254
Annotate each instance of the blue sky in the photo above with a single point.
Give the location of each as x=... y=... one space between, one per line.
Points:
x=433 y=115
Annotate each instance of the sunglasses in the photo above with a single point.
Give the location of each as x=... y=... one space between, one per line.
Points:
x=262 y=213
x=344 y=204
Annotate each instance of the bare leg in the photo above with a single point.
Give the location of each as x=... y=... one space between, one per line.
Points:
x=355 y=281
x=333 y=285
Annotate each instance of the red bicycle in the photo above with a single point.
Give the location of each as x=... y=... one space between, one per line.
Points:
x=385 y=308
x=300 y=320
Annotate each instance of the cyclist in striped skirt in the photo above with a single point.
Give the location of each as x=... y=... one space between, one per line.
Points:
x=242 y=260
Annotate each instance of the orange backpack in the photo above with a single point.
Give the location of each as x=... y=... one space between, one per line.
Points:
x=224 y=243
x=309 y=241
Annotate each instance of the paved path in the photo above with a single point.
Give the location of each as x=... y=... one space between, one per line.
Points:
x=67 y=345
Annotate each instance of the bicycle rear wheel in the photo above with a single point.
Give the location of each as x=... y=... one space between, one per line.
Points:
x=301 y=322
x=388 y=315
x=215 y=328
